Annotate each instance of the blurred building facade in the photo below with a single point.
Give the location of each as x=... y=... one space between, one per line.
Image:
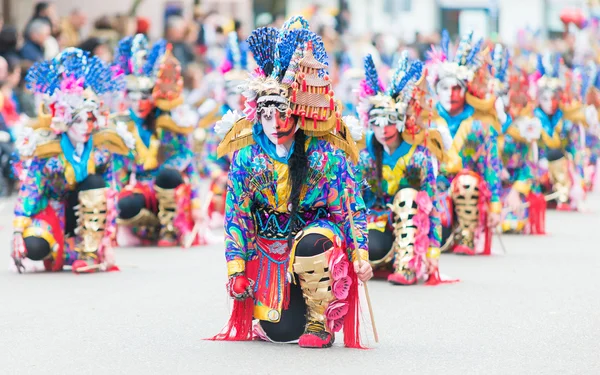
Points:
x=404 y=18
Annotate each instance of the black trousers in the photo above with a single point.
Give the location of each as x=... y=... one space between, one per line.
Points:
x=131 y=205
x=293 y=320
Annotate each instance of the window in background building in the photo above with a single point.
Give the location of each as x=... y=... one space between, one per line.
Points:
x=396 y=6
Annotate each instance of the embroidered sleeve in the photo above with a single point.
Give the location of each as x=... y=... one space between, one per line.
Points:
x=341 y=179
x=239 y=226
x=32 y=198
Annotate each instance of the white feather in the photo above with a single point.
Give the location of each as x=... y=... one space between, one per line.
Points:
x=224 y=125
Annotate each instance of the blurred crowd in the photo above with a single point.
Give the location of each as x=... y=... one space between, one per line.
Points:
x=198 y=42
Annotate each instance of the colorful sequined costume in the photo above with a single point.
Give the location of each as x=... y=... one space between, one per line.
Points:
x=288 y=240
x=471 y=175
x=161 y=184
x=65 y=211
x=517 y=146
x=404 y=228
x=558 y=117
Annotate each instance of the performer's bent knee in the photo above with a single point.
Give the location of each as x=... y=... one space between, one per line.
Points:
x=131 y=205
x=169 y=178
x=313 y=244
x=380 y=244
x=37 y=248
x=91 y=182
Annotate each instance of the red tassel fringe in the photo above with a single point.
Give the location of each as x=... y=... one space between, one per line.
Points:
x=537 y=213
x=239 y=326
x=352 y=319
x=435 y=279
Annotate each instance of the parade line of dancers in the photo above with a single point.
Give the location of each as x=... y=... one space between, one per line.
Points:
x=316 y=194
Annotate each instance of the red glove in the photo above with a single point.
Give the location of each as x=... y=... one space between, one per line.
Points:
x=239 y=286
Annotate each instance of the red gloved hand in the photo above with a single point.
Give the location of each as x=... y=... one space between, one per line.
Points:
x=239 y=286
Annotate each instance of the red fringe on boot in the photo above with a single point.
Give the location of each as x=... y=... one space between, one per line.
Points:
x=537 y=213
x=435 y=279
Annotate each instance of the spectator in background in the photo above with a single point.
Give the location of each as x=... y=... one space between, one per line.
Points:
x=24 y=97
x=34 y=47
x=97 y=47
x=71 y=28
x=104 y=30
x=143 y=26
x=176 y=30
x=9 y=39
x=6 y=138
x=45 y=11
x=9 y=108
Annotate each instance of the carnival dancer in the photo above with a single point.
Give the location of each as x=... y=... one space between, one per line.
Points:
x=471 y=175
x=524 y=207
x=65 y=211
x=291 y=191
x=592 y=135
x=558 y=111
x=160 y=199
x=404 y=228
x=234 y=70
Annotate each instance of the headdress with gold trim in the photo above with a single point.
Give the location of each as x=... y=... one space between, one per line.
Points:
x=70 y=85
x=292 y=71
x=461 y=65
x=139 y=63
x=547 y=74
x=379 y=107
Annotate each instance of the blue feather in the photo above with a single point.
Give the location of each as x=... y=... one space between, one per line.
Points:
x=474 y=51
x=261 y=43
x=371 y=76
x=556 y=65
x=445 y=44
x=540 y=65
x=123 y=54
x=413 y=74
x=153 y=58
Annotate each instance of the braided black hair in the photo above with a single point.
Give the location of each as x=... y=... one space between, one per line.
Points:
x=298 y=166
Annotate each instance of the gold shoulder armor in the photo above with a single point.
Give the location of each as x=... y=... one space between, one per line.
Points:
x=109 y=139
x=48 y=143
x=238 y=137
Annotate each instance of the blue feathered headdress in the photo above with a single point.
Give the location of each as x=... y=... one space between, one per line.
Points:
x=73 y=67
x=236 y=53
x=273 y=49
x=134 y=57
x=406 y=75
x=372 y=82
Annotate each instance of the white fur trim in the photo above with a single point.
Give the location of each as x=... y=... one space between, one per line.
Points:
x=353 y=125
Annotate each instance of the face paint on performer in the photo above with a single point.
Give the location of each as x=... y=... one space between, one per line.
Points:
x=387 y=135
x=81 y=128
x=141 y=103
x=273 y=116
x=451 y=95
x=549 y=102
x=234 y=99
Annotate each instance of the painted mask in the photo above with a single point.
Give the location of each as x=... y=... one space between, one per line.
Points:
x=549 y=101
x=141 y=102
x=272 y=112
x=451 y=95
x=81 y=128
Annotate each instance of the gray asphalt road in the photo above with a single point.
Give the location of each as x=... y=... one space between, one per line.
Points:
x=534 y=310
